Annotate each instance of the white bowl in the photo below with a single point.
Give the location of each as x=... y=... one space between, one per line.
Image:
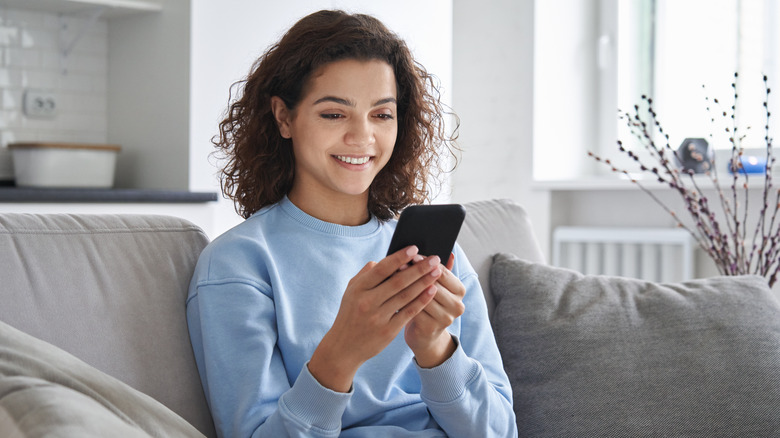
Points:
x=64 y=164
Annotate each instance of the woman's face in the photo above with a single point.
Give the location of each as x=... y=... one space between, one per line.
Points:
x=343 y=130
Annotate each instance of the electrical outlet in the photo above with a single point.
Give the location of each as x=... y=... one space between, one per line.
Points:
x=40 y=104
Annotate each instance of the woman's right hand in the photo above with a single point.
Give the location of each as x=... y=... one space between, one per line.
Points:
x=379 y=301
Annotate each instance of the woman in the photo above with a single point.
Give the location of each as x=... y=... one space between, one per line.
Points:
x=299 y=323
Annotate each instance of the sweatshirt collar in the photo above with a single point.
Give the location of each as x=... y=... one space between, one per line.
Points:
x=370 y=227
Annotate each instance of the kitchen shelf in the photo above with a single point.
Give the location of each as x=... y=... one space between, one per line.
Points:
x=57 y=195
x=112 y=8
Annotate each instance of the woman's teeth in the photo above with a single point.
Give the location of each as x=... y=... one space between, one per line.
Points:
x=353 y=160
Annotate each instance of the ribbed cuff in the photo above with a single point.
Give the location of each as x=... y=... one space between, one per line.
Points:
x=448 y=381
x=313 y=404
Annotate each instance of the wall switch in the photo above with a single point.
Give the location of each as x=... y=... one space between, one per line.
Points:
x=40 y=104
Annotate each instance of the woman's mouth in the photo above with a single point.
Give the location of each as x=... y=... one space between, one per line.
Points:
x=352 y=160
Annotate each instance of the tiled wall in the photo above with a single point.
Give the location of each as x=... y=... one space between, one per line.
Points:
x=30 y=58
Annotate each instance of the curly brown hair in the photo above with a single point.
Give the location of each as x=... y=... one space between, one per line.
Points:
x=260 y=165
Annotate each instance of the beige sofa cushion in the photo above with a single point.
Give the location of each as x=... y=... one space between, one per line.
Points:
x=46 y=392
x=109 y=289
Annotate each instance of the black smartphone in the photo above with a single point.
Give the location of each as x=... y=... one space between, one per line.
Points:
x=433 y=228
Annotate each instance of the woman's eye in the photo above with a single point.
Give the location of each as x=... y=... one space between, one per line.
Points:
x=385 y=116
x=332 y=116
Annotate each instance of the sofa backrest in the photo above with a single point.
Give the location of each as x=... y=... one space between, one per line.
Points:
x=495 y=226
x=110 y=290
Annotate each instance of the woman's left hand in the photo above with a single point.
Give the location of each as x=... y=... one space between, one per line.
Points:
x=426 y=334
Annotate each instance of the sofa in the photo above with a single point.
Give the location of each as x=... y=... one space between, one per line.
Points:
x=94 y=341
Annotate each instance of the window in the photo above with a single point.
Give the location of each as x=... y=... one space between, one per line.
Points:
x=679 y=52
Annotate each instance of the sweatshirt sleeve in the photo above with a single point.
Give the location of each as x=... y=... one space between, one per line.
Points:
x=469 y=394
x=233 y=335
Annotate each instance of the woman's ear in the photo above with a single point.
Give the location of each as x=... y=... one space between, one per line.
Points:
x=282 y=116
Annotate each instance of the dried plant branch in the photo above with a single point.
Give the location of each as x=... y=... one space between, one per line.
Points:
x=729 y=245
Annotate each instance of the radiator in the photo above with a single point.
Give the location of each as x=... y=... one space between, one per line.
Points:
x=654 y=254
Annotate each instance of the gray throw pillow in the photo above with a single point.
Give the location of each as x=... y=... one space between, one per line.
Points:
x=592 y=356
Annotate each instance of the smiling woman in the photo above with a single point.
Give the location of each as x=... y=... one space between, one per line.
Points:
x=301 y=322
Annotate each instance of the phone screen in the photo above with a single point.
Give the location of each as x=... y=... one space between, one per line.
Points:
x=433 y=228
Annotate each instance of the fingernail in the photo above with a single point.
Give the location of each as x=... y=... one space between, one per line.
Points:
x=436 y=272
x=433 y=261
x=418 y=258
x=412 y=250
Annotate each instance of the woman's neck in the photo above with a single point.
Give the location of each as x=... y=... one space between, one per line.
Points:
x=341 y=210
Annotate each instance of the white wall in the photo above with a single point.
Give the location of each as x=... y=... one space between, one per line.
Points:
x=30 y=58
x=493 y=90
x=149 y=62
x=228 y=35
x=564 y=64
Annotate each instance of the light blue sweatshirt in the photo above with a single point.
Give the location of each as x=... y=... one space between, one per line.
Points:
x=265 y=293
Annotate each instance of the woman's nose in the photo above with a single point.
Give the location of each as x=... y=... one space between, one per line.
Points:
x=359 y=134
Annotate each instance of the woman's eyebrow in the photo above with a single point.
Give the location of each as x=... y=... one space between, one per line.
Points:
x=385 y=100
x=339 y=100
x=347 y=102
